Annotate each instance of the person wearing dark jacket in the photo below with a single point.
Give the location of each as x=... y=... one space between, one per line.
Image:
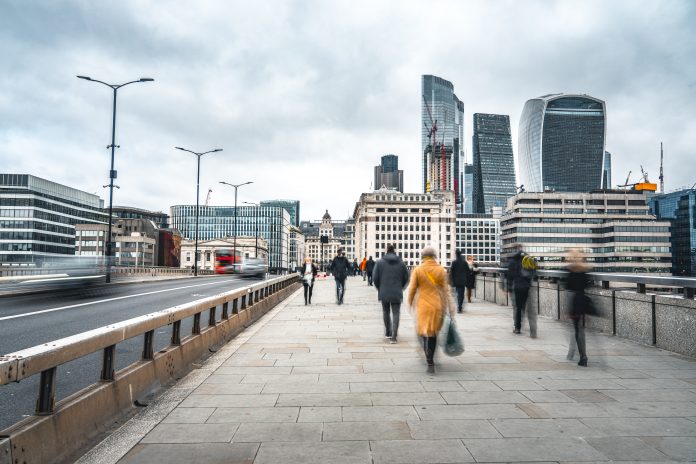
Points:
x=519 y=277
x=459 y=273
x=579 y=305
x=369 y=268
x=339 y=269
x=472 y=270
x=390 y=276
x=309 y=272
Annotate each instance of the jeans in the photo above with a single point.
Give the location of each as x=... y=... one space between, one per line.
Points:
x=521 y=296
x=460 y=298
x=369 y=278
x=429 y=345
x=307 y=292
x=468 y=294
x=391 y=320
x=577 y=339
x=340 y=289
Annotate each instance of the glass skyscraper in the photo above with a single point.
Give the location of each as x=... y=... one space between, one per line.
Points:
x=441 y=166
x=606 y=174
x=388 y=174
x=680 y=209
x=494 y=164
x=468 y=188
x=562 y=143
x=291 y=206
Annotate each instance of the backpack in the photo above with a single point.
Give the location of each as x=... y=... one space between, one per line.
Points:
x=529 y=266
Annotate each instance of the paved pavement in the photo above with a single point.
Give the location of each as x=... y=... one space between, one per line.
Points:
x=320 y=384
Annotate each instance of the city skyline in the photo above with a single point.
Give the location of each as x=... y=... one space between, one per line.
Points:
x=277 y=102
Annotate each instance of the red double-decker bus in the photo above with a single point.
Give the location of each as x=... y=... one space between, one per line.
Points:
x=225 y=261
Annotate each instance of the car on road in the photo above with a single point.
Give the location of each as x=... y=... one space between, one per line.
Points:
x=253 y=267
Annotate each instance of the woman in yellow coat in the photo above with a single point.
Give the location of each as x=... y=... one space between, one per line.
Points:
x=430 y=291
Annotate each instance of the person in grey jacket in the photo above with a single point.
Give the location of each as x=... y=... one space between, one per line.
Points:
x=390 y=276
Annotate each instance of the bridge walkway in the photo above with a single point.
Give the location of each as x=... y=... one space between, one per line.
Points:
x=319 y=383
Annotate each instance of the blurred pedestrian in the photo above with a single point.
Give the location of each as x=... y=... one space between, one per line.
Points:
x=339 y=269
x=580 y=303
x=309 y=272
x=355 y=267
x=390 y=276
x=472 y=270
x=430 y=292
x=369 y=268
x=363 y=263
x=520 y=273
x=458 y=278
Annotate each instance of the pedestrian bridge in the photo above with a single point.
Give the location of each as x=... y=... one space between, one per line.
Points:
x=320 y=384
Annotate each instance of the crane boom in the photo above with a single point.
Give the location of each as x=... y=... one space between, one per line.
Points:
x=662 y=177
x=207 y=198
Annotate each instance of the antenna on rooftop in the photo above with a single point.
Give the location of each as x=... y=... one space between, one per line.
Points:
x=662 y=177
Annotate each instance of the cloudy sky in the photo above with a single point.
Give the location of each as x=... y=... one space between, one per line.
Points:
x=305 y=96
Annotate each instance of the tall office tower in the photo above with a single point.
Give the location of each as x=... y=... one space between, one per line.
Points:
x=494 y=165
x=561 y=143
x=606 y=172
x=291 y=206
x=468 y=188
x=387 y=174
x=442 y=136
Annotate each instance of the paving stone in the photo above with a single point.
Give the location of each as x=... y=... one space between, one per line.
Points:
x=306 y=388
x=254 y=370
x=351 y=378
x=208 y=453
x=572 y=410
x=542 y=396
x=238 y=415
x=268 y=432
x=320 y=414
x=336 y=452
x=378 y=387
x=625 y=449
x=419 y=451
x=447 y=385
x=220 y=378
x=228 y=389
x=532 y=449
x=521 y=428
x=441 y=429
x=483 y=397
x=469 y=411
x=671 y=395
x=386 y=399
x=188 y=416
x=659 y=409
x=680 y=448
x=580 y=384
x=518 y=385
x=281 y=378
x=642 y=427
x=588 y=396
x=378 y=413
x=479 y=385
x=191 y=433
x=327 y=399
x=372 y=430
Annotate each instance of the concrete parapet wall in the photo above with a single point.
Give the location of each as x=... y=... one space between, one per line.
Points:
x=676 y=324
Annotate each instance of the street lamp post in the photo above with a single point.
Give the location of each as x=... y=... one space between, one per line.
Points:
x=112 y=172
x=198 y=184
x=234 y=243
x=256 y=220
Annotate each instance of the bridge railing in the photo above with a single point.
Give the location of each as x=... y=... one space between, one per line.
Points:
x=98 y=403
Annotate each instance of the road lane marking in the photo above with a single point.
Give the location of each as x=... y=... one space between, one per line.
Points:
x=33 y=313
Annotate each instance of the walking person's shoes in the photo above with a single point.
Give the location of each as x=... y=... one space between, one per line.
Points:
x=392 y=341
x=583 y=362
x=533 y=335
x=516 y=331
x=430 y=369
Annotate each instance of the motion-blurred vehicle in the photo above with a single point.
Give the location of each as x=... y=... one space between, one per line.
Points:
x=253 y=267
x=225 y=261
x=228 y=263
x=67 y=272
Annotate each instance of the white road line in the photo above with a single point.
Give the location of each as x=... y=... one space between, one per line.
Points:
x=33 y=313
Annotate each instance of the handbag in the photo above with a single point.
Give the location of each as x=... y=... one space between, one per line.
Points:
x=452 y=343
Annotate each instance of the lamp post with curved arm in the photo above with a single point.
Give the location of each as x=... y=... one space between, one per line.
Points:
x=256 y=220
x=112 y=172
x=198 y=184
x=234 y=245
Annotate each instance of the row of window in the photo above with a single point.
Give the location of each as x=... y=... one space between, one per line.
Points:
x=36 y=225
x=556 y=239
x=41 y=237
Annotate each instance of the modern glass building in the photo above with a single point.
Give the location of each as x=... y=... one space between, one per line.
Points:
x=38 y=218
x=291 y=206
x=468 y=188
x=442 y=166
x=388 y=174
x=562 y=143
x=127 y=212
x=272 y=223
x=606 y=173
x=478 y=235
x=494 y=164
x=680 y=209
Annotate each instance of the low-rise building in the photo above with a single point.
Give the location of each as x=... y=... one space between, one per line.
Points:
x=679 y=208
x=323 y=250
x=247 y=246
x=478 y=235
x=614 y=228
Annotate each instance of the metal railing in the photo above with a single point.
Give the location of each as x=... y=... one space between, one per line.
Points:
x=44 y=359
x=687 y=285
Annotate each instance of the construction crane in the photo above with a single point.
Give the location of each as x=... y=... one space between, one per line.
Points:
x=662 y=177
x=626 y=184
x=432 y=130
x=645 y=174
x=207 y=198
x=643 y=183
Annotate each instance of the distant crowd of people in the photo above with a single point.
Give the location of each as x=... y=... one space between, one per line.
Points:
x=430 y=288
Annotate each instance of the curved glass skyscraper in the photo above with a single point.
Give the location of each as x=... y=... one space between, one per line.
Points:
x=561 y=143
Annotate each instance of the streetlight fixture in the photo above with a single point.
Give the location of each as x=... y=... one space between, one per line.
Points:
x=234 y=246
x=112 y=172
x=198 y=184
x=256 y=220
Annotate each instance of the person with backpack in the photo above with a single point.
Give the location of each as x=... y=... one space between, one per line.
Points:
x=390 y=276
x=520 y=273
x=369 y=267
x=339 y=269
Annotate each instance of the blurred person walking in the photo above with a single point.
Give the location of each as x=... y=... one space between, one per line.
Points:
x=309 y=272
x=520 y=273
x=390 y=276
x=459 y=271
x=339 y=269
x=363 y=263
x=472 y=270
x=369 y=268
x=580 y=303
x=355 y=267
x=430 y=292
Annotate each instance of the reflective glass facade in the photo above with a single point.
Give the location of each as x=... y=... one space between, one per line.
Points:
x=215 y=222
x=388 y=175
x=561 y=143
x=494 y=164
x=680 y=209
x=291 y=206
x=468 y=188
x=606 y=173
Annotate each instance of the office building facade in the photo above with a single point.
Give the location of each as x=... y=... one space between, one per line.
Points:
x=478 y=235
x=388 y=174
x=679 y=208
x=291 y=206
x=127 y=212
x=606 y=172
x=217 y=222
x=410 y=221
x=442 y=151
x=247 y=247
x=468 y=204
x=614 y=228
x=38 y=218
x=562 y=143
x=493 y=162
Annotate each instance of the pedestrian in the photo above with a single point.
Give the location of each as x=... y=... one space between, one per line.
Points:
x=339 y=269
x=472 y=270
x=390 y=276
x=309 y=272
x=355 y=267
x=520 y=273
x=458 y=278
x=580 y=304
x=363 y=263
x=430 y=292
x=369 y=268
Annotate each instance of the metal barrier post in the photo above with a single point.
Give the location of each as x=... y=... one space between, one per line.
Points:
x=196 y=329
x=225 y=310
x=613 y=311
x=244 y=300
x=176 y=333
x=108 y=364
x=654 y=322
x=148 y=350
x=235 y=306
x=689 y=293
x=211 y=316
x=47 y=392
x=641 y=288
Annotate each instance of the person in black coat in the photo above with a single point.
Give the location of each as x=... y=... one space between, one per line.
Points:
x=309 y=272
x=471 y=271
x=580 y=304
x=519 y=281
x=339 y=268
x=369 y=267
x=459 y=273
x=390 y=276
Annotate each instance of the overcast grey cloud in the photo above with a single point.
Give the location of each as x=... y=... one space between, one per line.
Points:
x=305 y=96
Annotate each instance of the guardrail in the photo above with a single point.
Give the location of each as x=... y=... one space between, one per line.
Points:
x=9 y=271
x=42 y=438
